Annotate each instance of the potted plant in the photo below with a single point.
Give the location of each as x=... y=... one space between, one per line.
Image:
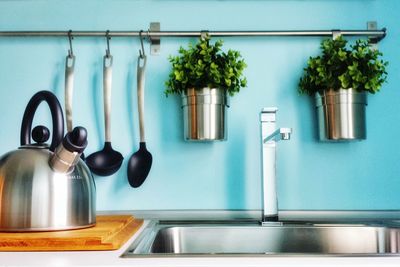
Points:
x=205 y=76
x=340 y=79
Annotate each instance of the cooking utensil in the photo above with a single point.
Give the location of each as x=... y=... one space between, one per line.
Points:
x=107 y=161
x=46 y=188
x=69 y=85
x=139 y=164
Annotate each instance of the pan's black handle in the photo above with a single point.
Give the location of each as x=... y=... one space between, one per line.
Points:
x=56 y=115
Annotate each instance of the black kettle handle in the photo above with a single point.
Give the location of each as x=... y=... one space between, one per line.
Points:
x=56 y=115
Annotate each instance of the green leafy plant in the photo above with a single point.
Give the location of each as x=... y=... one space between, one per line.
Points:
x=205 y=65
x=339 y=67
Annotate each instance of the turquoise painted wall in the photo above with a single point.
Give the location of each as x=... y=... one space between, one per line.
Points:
x=222 y=175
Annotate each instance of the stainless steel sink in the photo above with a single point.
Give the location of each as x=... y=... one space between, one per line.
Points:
x=160 y=239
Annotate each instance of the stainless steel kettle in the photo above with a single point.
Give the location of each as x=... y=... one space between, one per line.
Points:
x=46 y=188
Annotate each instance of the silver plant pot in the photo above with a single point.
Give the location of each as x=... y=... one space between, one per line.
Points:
x=341 y=115
x=205 y=114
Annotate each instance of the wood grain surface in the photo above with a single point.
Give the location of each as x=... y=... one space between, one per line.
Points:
x=109 y=233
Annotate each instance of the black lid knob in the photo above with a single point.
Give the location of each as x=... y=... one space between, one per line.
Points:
x=40 y=134
x=76 y=141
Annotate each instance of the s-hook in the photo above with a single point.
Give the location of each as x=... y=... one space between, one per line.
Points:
x=70 y=51
x=141 y=52
x=108 y=43
x=204 y=34
x=336 y=34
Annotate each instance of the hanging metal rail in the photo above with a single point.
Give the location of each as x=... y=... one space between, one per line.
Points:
x=379 y=34
x=154 y=34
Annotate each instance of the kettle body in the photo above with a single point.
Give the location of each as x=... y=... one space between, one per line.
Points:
x=46 y=188
x=35 y=198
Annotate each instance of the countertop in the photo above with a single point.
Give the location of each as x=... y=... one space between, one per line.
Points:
x=112 y=258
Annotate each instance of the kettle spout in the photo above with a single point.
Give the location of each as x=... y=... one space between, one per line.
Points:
x=67 y=154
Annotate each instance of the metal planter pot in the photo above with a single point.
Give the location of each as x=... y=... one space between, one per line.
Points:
x=341 y=115
x=205 y=114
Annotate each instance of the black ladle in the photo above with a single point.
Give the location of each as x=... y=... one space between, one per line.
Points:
x=107 y=161
x=139 y=164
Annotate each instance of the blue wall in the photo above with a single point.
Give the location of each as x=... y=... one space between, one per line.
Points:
x=221 y=175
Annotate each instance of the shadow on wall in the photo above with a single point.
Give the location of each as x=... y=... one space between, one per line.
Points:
x=235 y=167
x=57 y=85
x=171 y=122
x=310 y=114
x=97 y=90
x=120 y=180
x=131 y=105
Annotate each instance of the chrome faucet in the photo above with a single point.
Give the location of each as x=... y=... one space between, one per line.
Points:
x=269 y=137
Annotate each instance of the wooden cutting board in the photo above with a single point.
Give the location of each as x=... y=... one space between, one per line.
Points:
x=110 y=233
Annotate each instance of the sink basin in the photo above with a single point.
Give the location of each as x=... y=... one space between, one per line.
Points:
x=252 y=239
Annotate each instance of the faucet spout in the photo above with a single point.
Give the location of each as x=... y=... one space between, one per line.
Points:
x=269 y=138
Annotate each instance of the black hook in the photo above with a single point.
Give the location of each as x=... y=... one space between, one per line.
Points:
x=141 y=52
x=148 y=35
x=108 y=43
x=70 y=37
